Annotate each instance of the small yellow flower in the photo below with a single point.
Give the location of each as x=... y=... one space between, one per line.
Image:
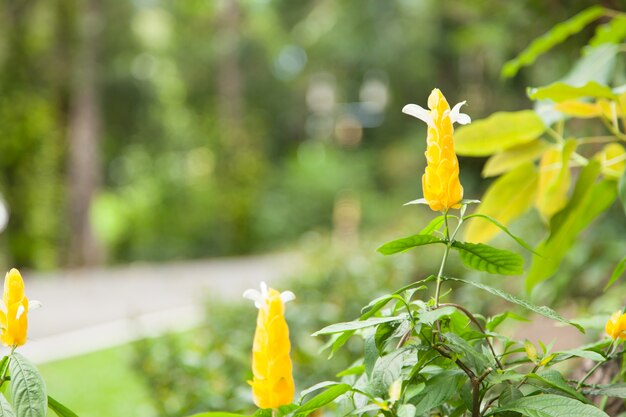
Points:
x=616 y=326
x=272 y=383
x=440 y=182
x=14 y=313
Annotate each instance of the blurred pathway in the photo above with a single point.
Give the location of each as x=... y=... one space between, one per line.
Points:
x=91 y=309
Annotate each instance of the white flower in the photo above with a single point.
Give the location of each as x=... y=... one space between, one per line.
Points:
x=260 y=298
x=424 y=115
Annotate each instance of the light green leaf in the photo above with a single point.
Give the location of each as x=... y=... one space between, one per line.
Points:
x=542 y=310
x=513 y=157
x=316 y=387
x=358 y=324
x=553 y=37
x=486 y=258
x=611 y=390
x=28 y=389
x=386 y=370
x=621 y=186
x=5 y=408
x=378 y=303
x=429 y=317
x=560 y=91
x=63 y=411
x=506 y=199
x=498 y=132
x=579 y=353
x=500 y=226
x=435 y=224
x=611 y=32
x=555 y=380
x=498 y=319
x=206 y=414
x=438 y=390
x=321 y=399
x=554 y=179
x=588 y=200
x=406 y=243
x=550 y=405
x=617 y=272
x=406 y=410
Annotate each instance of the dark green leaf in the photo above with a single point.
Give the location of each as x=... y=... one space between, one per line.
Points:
x=496 y=320
x=438 y=390
x=407 y=243
x=542 y=310
x=549 y=405
x=617 y=272
x=386 y=370
x=63 y=411
x=321 y=399
x=472 y=357
x=28 y=389
x=553 y=37
x=486 y=258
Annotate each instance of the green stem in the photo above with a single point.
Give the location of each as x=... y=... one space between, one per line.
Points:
x=3 y=377
x=445 y=258
x=610 y=350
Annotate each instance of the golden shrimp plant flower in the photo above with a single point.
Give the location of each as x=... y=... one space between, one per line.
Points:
x=14 y=312
x=616 y=326
x=272 y=383
x=440 y=182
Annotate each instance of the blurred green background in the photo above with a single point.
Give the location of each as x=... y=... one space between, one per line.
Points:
x=152 y=130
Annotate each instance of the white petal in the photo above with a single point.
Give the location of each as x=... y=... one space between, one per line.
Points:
x=418 y=201
x=419 y=112
x=33 y=305
x=264 y=291
x=287 y=296
x=20 y=311
x=457 y=117
x=255 y=296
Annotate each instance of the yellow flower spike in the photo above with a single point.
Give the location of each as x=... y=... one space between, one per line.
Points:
x=14 y=312
x=440 y=182
x=616 y=326
x=272 y=383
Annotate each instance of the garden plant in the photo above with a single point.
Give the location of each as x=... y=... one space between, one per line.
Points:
x=424 y=354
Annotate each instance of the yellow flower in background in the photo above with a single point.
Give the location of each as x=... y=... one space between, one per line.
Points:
x=272 y=383
x=14 y=313
x=616 y=326
x=440 y=182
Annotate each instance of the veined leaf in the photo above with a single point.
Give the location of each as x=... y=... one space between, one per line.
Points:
x=438 y=390
x=561 y=91
x=28 y=389
x=610 y=390
x=357 y=324
x=588 y=200
x=554 y=179
x=513 y=157
x=617 y=272
x=506 y=199
x=542 y=310
x=63 y=411
x=553 y=37
x=555 y=380
x=321 y=399
x=550 y=405
x=578 y=109
x=498 y=132
x=611 y=32
x=406 y=243
x=5 y=408
x=486 y=258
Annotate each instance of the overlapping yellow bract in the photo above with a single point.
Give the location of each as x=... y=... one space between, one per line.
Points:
x=14 y=316
x=272 y=383
x=616 y=326
x=440 y=182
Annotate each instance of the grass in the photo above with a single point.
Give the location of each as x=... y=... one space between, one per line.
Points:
x=99 y=384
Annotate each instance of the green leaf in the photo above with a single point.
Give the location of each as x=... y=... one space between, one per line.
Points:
x=561 y=91
x=506 y=199
x=206 y=414
x=513 y=157
x=550 y=405
x=429 y=317
x=386 y=370
x=553 y=37
x=611 y=32
x=354 y=370
x=407 y=243
x=5 y=408
x=406 y=410
x=502 y=227
x=438 y=390
x=63 y=411
x=28 y=389
x=555 y=380
x=358 y=324
x=472 y=357
x=498 y=132
x=321 y=399
x=588 y=200
x=610 y=390
x=621 y=186
x=542 y=310
x=579 y=353
x=434 y=224
x=486 y=258
x=498 y=319
x=617 y=272
x=316 y=387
